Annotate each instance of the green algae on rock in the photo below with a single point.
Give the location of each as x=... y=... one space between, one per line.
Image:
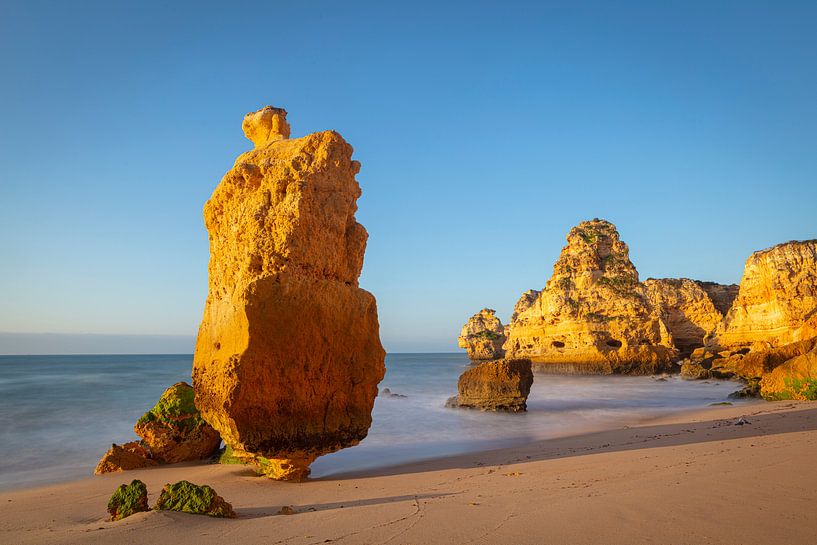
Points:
x=128 y=499
x=176 y=407
x=174 y=430
x=187 y=497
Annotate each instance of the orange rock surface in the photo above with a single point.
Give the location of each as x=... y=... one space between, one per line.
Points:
x=124 y=457
x=483 y=336
x=288 y=355
x=777 y=297
x=593 y=314
x=686 y=309
x=499 y=385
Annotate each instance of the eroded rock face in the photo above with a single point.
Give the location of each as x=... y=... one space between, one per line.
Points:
x=499 y=385
x=288 y=355
x=525 y=301
x=483 y=336
x=593 y=314
x=686 y=309
x=778 y=295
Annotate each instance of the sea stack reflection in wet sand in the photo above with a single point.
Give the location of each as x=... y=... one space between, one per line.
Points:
x=288 y=356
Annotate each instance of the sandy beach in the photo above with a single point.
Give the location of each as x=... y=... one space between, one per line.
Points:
x=692 y=478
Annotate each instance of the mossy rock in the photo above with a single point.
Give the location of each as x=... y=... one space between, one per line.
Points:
x=128 y=499
x=259 y=464
x=187 y=497
x=802 y=389
x=176 y=407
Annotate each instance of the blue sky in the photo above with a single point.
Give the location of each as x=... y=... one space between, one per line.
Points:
x=485 y=130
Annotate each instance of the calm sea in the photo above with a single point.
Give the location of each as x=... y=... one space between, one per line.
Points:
x=59 y=414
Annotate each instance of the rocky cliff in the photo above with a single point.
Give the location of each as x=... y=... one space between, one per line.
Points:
x=686 y=308
x=288 y=355
x=777 y=296
x=593 y=314
x=483 y=336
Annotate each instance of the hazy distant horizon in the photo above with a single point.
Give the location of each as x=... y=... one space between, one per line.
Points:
x=79 y=344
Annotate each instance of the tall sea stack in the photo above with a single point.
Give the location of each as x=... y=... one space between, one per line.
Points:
x=288 y=355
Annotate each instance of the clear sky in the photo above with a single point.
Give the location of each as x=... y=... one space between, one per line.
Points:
x=485 y=130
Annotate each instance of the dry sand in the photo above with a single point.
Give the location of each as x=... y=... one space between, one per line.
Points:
x=693 y=478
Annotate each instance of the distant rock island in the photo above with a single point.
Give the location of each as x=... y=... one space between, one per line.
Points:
x=596 y=316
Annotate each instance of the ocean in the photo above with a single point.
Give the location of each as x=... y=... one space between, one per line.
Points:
x=59 y=414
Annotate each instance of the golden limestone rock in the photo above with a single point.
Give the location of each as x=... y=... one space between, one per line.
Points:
x=499 y=385
x=686 y=308
x=593 y=315
x=524 y=303
x=483 y=336
x=778 y=295
x=288 y=355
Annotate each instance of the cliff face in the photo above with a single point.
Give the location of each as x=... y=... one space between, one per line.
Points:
x=594 y=313
x=686 y=308
x=288 y=356
x=483 y=336
x=777 y=296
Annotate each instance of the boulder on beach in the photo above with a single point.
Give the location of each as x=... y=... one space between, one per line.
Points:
x=288 y=355
x=125 y=457
x=173 y=429
x=483 y=336
x=187 y=497
x=128 y=499
x=499 y=385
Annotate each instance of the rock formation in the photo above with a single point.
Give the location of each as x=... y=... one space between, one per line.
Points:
x=483 y=336
x=124 y=458
x=721 y=295
x=499 y=385
x=187 y=497
x=172 y=431
x=795 y=379
x=288 y=356
x=778 y=295
x=686 y=308
x=594 y=314
x=128 y=499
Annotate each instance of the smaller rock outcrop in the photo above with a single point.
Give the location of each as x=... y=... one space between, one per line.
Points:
x=499 y=385
x=128 y=499
x=483 y=336
x=187 y=497
x=172 y=431
x=795 y=379
x=124 y=458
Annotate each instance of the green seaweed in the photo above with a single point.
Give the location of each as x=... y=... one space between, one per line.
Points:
x=128 y=499
x=187 y=497
x=175 y=407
